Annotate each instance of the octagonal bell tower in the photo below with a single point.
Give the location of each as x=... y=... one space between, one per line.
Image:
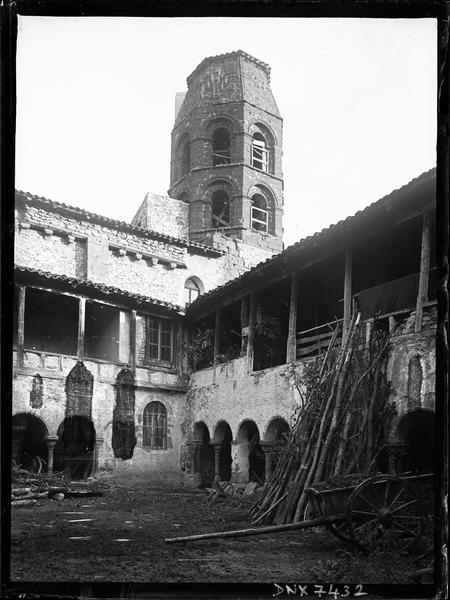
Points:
x=226 y=152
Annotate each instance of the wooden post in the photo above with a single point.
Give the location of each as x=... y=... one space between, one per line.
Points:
x=347 y=293
x=422 y=295
x=81 y=322
x=217 y=333
x=251 y=331
x=291 y=348
x=244 y=323
x=133 y=341
x=20 y=325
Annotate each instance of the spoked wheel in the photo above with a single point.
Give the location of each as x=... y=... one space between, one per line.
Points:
x=316 y=509
x=385 y=511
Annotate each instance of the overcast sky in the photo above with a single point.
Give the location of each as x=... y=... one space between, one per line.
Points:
x=95 y=106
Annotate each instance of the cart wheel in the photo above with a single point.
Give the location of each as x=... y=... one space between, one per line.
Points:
x=385 y=511
x=316 y=510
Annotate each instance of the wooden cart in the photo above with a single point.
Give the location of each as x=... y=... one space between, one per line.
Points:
x=382 y=510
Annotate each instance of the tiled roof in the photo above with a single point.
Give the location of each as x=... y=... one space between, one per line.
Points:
x=86 y=215
x=371 y=210
x=75 y=284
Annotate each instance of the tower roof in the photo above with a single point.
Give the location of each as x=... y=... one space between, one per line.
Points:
x=231 y=77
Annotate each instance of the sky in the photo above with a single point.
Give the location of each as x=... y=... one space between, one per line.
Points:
x=96 y=96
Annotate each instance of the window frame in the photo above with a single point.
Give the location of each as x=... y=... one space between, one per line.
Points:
x=150 y=435
x=148 y=357
x=254 y=219
x=191 y=286
x=262 y=147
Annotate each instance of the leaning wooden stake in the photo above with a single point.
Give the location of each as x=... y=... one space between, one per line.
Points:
x=256 y=530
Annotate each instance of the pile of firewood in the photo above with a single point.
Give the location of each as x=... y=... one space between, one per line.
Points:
x=340 y=425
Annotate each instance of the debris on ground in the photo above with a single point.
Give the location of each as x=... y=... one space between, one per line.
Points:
x=28 y=487
x=239 y=495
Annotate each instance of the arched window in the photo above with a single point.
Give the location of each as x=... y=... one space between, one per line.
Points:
x=192 y=288
x=220 y=142
x=186 y=158
x=260 y=153
x=154 y=430
x=259 y=213
x=220 y=210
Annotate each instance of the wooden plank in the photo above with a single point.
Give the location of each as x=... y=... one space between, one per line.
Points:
x=318 y=327
x=81 y=328
x=217 y=333
x=347 y=291
x=20 y=325
x=314 y=347
x=313 y=338
x=251 y=332
x=422 y=295
x=292 y=338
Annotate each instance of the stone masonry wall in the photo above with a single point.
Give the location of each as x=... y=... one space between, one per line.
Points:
x=159 y=464
x=105 y=255
x=164 y=215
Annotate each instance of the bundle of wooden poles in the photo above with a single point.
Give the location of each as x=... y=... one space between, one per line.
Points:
x=339 y=427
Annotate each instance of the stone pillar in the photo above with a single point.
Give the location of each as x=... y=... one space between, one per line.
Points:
x=268 y=449
x=97 y=446
x=51 y=441
x=217 y=446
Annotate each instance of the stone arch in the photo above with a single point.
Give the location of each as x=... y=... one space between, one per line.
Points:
x=204 y=454
x=183 y=155
x=29 y=434
x=226 y=121
x=219 y=133
x=276 y=429
x=259 y=126
x=249 y=457
x=222 y=440
x=193 y=287
x=258 y=212
x=75 y=449
x=416 y=431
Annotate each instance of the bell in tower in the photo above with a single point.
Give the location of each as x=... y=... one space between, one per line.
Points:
x=226 y=153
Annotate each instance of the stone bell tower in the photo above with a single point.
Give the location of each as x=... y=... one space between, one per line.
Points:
x=226 y=153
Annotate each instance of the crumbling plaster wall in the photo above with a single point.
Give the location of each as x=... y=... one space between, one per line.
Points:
x=407 y=346
x=159 y=464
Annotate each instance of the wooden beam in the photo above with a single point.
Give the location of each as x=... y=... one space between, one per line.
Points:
x=292 y=337
x=20 y=325
x=81 y=328
x=217 y=333
x=251 y=332
x=422 y=295
x=347 y=292
x=244 y=323
x=133 y=341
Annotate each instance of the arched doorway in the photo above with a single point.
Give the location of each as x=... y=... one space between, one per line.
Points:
x=417 y=430
x=222 y=439
x=274 y=438
x=29 y=447
x=74 y=450
x=204 y=455
x=250 y=455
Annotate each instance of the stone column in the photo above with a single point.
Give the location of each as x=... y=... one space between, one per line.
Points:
x=51 y=441
x=268 y=449
x=97 y=446
x=217 y=446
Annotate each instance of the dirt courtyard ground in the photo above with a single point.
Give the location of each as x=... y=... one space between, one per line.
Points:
x=120 y=537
